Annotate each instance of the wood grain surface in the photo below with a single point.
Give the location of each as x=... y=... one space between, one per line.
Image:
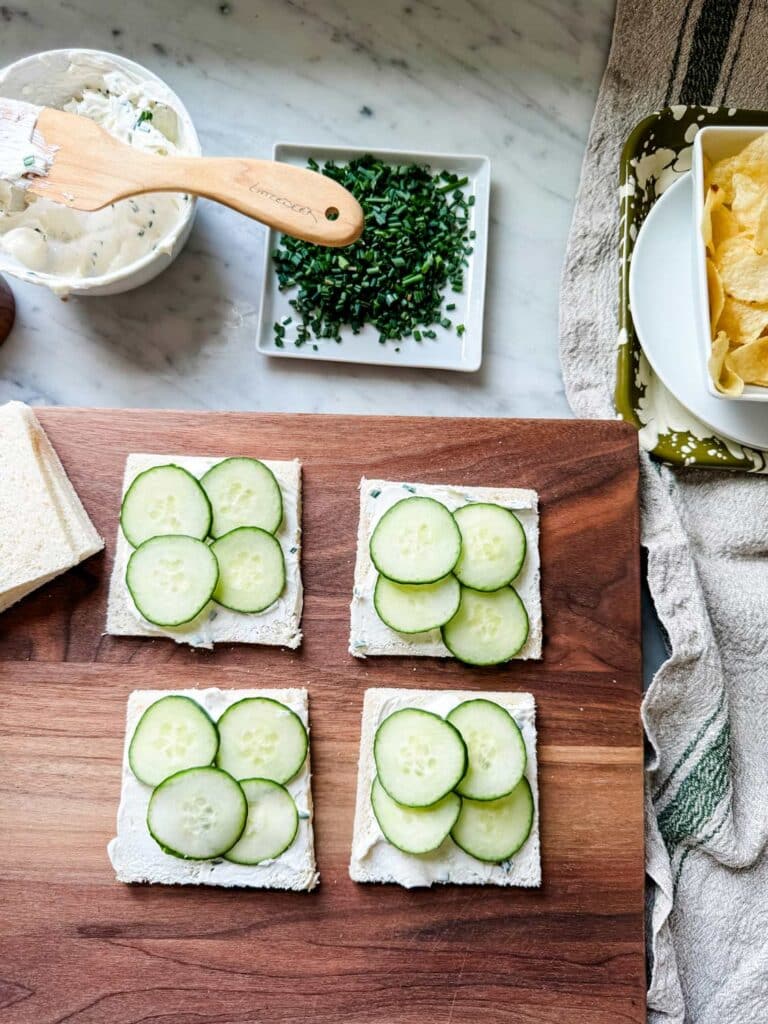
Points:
x=76 y=946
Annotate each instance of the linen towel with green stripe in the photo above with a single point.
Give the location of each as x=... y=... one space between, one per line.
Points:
x=706 y=535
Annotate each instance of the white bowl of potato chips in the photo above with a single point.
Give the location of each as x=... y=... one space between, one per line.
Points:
x=730 y=209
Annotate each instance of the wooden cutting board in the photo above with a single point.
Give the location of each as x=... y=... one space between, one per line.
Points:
x=76 y=946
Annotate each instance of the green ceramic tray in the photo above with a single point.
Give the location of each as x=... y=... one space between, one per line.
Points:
x=655 y=155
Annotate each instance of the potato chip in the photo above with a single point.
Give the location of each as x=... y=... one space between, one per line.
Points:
x=726 y=380
x=724 y=226
x=742 y=321
x=753 y=159
x=716 y=295
x=748 y=196
x=712 y=201
x=721 y=174
x=760 y=240
x=744 y=272
x=749 y=362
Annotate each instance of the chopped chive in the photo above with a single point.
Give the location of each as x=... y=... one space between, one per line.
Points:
x=394 y=278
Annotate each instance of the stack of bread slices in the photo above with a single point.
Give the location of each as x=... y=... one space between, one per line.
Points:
x=44 y=529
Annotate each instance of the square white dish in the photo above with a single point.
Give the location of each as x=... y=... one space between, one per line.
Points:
x=278 y=626
x=715 y=143
x=368 y=635
x=447 y=351
x=373 y=859
x=135 y=855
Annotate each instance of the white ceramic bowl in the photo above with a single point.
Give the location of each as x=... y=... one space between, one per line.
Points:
x=50 y=79
x=715 y=143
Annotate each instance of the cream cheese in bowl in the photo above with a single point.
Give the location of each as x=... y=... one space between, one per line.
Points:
x=126 y=243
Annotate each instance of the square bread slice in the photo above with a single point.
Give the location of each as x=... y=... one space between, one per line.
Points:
x=44 y=529
x=368 y=634
x=279 y=625
x=135 y=855
x=376 y=860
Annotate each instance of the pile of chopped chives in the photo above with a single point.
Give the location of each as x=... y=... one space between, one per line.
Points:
x=416 y=243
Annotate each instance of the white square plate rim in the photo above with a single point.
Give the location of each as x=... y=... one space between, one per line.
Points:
x=471 y=355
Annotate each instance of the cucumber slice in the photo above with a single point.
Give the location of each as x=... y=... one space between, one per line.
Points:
x=197 y=814
x=171 y=579
x=164 y=500
x=174 y=733
x=243 y=492
x=419 y=757
x=261 y=738
x=251 y=569
x=273 y=821
x=497 y=755
x=416 y=541
x=493 y=830
x=414 y=829
x=488 y=628
x=416 y=607
x=492 y=546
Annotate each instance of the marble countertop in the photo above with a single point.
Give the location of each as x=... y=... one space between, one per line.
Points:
x=513 y=79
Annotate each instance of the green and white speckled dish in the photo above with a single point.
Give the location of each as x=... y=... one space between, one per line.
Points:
x=656 y=154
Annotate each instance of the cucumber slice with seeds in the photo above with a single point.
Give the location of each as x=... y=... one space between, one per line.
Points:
x=272 y=825
x=243 y=492
x=419 y=757
x=415 y=541
x=174 y=733
x=416 y=607
x=493 y=546
x=488 y=629
x=251 y=569
x=497 y=755
x=414 y=829
x=493 y=830
x=164 y=500
x=261 y=738
x=197 y=814
x=171 y=579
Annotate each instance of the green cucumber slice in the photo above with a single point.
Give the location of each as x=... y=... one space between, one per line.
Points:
x=414 y=829
x=171 y=579
x=273 y=821
x=243 y=492
x=497 y=755
x=488 y=629
x=493 y=830
x=416 y=541
x=174 y=733
x=251 y=569
x=197 y=814
x=416 y=607
x=261 y=738
x=419 y=757
x=164 y=500
x=493 y=546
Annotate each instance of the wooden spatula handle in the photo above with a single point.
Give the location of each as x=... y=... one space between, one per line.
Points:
x=300 y=202
x=91 y=169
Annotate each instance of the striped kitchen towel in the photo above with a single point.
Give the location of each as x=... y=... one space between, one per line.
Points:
x=706 y=533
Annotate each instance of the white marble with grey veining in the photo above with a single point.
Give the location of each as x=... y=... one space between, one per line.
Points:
x=513 y=79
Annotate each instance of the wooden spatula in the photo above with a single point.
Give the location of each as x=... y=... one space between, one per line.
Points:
x=91 y=169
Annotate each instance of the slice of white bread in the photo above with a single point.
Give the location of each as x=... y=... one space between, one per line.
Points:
x=44 y=529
